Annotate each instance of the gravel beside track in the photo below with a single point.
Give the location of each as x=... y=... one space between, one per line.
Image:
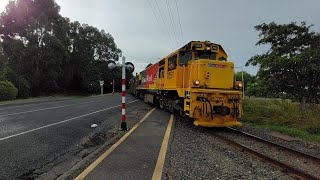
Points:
x=307 y=165
x=195 y=154
x=299 y=144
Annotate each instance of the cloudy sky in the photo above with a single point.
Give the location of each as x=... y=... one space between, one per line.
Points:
x=144 y=39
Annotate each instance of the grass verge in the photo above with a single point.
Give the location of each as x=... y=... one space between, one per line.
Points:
x=46 y=98
x=292 y=132
x=283 y=116
x=33 y=99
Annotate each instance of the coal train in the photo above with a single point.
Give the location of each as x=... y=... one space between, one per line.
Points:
x=196 y=81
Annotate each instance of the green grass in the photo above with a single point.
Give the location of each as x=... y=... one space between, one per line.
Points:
x=292 y=132
x=283 y=116
x=21 y=100
x=34 y=99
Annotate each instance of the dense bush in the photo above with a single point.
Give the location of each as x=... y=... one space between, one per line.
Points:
x=281 y=112
x=7 y=90
x=23 y=88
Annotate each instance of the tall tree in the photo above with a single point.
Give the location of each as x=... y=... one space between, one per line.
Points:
x=28 y=29
x=90 y=50
x=292 y=65
x=43 y=52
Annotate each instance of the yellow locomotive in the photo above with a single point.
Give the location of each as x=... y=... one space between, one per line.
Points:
x=197 y=81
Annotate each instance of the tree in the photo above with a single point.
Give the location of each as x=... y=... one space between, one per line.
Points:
x=248 y=78
x=30 y=31
x=249 y=82
x=90 y=50
x=292 y=65
x=42 y=52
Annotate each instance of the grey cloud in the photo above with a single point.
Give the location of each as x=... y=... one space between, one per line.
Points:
x=229 y=23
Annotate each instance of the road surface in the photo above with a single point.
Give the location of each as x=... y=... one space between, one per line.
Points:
x=34 y=135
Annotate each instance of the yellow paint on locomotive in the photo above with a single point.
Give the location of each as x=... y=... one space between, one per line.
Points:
x=201 y=111
x=207 y=85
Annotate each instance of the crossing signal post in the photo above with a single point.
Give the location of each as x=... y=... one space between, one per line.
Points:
x=126 y=66
x=130 y=68
x=123 y=94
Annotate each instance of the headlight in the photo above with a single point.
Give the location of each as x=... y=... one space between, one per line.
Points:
x=238 y=85
x=196 y=82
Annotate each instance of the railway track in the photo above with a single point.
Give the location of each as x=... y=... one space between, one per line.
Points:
x=283 y=165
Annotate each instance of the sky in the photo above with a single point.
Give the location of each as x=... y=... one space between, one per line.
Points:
x=146 y=33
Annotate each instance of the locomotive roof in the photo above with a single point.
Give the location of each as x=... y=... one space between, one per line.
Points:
x=189 y=44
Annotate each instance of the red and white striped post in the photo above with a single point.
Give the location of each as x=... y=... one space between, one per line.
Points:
x=123 y=82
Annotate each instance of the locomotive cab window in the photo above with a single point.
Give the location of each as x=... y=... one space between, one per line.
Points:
x=161 y=72
x=161 y=68
x=184 y=58
x=172 y=63
x=205 y=55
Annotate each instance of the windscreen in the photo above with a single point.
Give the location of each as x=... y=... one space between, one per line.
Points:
x=204 y=55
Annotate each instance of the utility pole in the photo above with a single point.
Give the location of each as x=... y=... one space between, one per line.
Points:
x=112 y=86
x=101 y=87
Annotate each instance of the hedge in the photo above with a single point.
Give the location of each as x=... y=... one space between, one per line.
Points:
x=7 y=91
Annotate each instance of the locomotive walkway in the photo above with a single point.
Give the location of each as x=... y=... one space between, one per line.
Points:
x=139 y=154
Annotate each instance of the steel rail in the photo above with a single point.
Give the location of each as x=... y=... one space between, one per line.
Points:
x=292 y=151
x=284 y=167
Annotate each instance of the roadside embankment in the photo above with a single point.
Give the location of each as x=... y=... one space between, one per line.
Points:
x=284 y=116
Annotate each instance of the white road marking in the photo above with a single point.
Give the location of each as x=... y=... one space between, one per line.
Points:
x=55 y=107
x=60 y=122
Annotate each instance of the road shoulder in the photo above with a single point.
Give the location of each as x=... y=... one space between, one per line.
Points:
x=137 y=156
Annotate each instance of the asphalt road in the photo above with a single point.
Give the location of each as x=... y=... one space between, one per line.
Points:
x=33 y=135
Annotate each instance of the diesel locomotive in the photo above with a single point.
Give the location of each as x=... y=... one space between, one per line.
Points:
x=197 y=81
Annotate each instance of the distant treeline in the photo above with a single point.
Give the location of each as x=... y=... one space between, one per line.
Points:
x=43 y=53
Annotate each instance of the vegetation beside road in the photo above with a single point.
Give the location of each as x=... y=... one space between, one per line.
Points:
x=46 y=98
x=7 y=90
x=283 y=115
x=289 y=75
x=43 y=53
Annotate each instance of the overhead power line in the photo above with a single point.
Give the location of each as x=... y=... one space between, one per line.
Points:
x=172 y=23
x=164 y=22
x=164 y=34
x=179 y=21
